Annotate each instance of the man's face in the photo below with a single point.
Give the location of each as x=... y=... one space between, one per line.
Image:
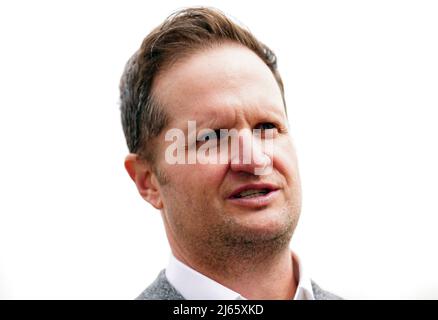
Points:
x=226 y=87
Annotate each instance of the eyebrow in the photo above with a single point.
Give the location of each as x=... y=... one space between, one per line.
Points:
x=277 y=114
x=214 y=119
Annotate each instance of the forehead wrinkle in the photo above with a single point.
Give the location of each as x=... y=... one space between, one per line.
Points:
x=251 y=115
x=228 y=116
x=236 y=117
x=209 y=120
x=229 y=92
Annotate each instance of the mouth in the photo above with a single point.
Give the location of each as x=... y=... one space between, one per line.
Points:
x=254 y=195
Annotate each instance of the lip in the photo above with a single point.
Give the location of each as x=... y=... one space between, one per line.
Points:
x=255 y=202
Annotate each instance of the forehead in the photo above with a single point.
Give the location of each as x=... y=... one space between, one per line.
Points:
x=220 y=82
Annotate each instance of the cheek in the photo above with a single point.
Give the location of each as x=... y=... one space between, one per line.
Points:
x=193 y=189
x=201 y=177
x=285 y=160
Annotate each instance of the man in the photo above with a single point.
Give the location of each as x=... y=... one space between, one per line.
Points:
x=228 y=222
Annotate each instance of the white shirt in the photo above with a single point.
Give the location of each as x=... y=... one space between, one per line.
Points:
x=195 y=286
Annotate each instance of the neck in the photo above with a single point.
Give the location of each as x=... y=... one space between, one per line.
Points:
x=255 y=278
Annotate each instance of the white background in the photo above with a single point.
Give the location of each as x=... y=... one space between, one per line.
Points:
x=361 y=82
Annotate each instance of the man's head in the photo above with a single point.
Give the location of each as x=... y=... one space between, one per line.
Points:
x=180 y=35
x=200 y=66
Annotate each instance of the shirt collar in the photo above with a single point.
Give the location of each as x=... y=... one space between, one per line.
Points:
x=304 y=289
x=195 y=286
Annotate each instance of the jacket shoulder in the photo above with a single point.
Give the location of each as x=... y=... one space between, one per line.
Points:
x=160 y=289
x=321 y=294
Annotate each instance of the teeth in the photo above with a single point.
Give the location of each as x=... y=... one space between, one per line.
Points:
x=252 y=193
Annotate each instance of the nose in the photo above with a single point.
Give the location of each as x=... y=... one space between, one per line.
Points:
x=250 y=154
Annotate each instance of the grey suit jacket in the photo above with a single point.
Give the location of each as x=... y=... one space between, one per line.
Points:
x=161 y=289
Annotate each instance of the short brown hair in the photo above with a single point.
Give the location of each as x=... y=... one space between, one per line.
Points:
x=182 y=33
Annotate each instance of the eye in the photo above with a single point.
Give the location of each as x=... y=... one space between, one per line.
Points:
x=266 y=126
x=267 y=130
x=210 y=135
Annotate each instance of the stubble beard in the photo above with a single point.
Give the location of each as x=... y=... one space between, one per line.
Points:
x=229 y=248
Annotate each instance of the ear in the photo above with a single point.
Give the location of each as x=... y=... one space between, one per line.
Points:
x=145 y=180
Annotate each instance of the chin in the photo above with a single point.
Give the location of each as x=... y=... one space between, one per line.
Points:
x=265 y=227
